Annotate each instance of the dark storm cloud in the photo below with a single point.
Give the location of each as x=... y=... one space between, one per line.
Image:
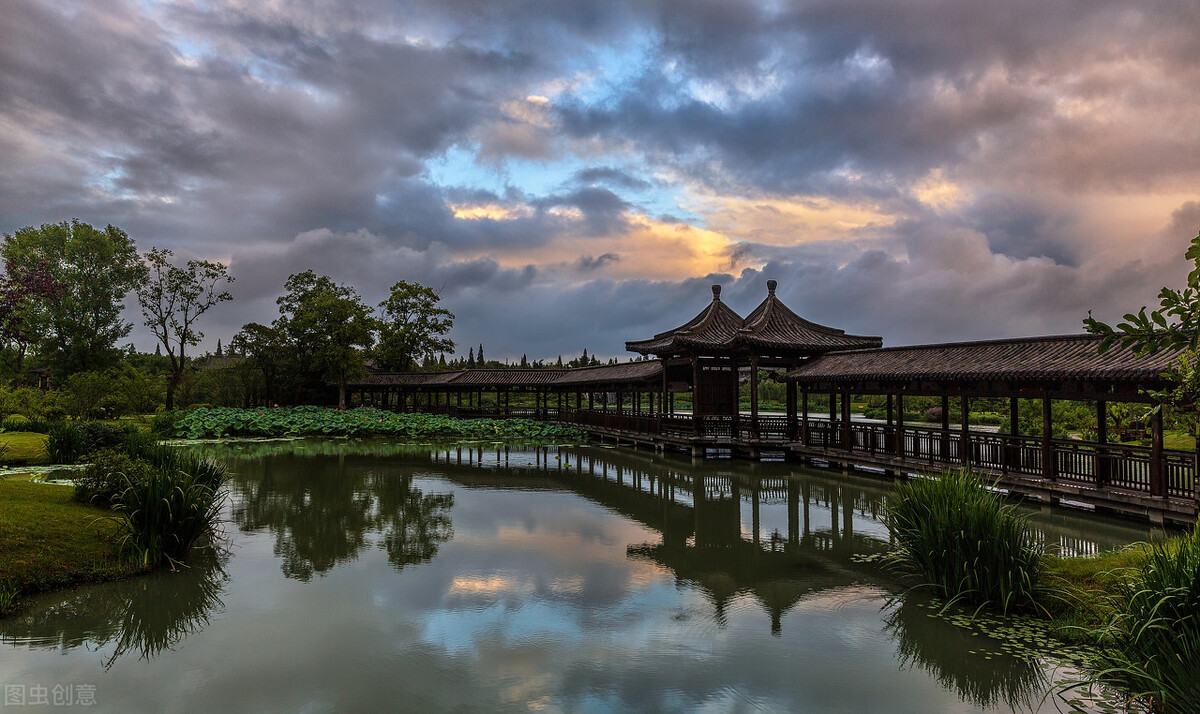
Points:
x=587 y=264
x=284 y=137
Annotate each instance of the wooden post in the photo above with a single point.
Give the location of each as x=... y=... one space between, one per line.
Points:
x=804 y=415
x=753 y=397
x=900 y=424
x=889 y=437
x=964 y=446
x=1158 y=471
x=1102 y=441
x=847 y=433
x=791 y=411
x=697 y=427
x=833 y=432
x=945 y=440
x=1048 y=469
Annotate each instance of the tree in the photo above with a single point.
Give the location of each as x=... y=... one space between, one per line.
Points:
x=1175 y=325
x=172 y=299
x=328 y=327
x=21 y=289
x=79 y=330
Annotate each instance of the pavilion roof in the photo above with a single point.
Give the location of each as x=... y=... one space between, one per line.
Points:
x=713 y=329
x=772 y=326
x=1036 y=359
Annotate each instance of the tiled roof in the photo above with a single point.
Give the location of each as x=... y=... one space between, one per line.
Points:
x=1032 y=359
x=713 y=329
x=773 y=326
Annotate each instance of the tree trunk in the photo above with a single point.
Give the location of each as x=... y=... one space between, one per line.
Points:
x=342 y=391
x=172 y=383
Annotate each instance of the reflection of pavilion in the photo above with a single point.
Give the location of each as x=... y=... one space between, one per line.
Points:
x=700 y=518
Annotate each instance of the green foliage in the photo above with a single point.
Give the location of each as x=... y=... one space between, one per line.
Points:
x=411 y=327
x=84 y=392
x=162 y=425
x=328 y=326
x=172 y=298
x=1152 y=645
x=965 y=542
x=71 y=442
x=66 y=443
x=105 y=477
x=1175 y=325
x=300 y=421
x=31 y=402
x=166 y=512
x=34 y=426
x=78 y=328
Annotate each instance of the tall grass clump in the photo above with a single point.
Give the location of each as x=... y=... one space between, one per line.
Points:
x=66 y=443
x=965 y=542
x=169 y=509
x=1152 y=645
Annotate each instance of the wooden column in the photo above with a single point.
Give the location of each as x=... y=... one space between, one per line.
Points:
x=833 y=431
x=900 y=424
x=804 y=415
x=753 y=397
x=847 y=433
x=697 y=427
x=889 y=435
x=1102 y=440
x=791 y=411
x=964 y=445
x=945 y=440
x=1158 y=471
x=1047 y=438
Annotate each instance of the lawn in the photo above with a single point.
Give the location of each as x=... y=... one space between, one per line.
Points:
x=22 y=447
x=49 y=541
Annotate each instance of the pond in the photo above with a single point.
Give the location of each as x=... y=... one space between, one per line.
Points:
x=362 y=576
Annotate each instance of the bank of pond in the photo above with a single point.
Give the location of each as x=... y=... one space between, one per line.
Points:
x=947 y=550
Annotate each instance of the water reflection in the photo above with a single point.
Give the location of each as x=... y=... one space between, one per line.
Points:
x=145 y=615
x=322 y=511
x=973 y=665
x=565 y=578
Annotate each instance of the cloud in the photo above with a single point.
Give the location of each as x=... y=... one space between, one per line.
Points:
x=922 y=171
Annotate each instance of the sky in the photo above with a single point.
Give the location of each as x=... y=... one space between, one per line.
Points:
x=575 y=174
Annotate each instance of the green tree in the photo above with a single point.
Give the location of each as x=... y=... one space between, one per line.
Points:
x=328 y=326
x=78 y=330
x=1175 y=325
x=173 y=298
x=265 y=352
x=412 y=327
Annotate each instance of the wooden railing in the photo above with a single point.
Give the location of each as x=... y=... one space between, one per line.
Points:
x=1119 y=466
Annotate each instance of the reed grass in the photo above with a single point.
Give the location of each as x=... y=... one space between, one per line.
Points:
x=170 y=507
x=965 y=543
x=1151 y=647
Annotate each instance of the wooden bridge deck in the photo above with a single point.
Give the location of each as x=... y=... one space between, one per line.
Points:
x=1118 y=478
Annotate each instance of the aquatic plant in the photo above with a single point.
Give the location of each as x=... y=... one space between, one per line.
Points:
x=965 y=543
x=66 y=443
x=1152 y=645
x=168 y=510
x=217 y=422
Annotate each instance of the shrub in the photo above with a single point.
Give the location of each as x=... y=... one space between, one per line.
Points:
x=168 y=511
x=66 y=443
x=34 y=425
x=1152 y=645
x=965 y=542
x=163 y=424
x=107 y=475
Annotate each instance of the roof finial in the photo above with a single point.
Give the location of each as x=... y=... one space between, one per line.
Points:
x=771 y=287
x=716 y=293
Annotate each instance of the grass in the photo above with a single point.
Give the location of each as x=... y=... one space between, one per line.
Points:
x=48 y=541
x=1151 y=644
x=964 y=543
x=22 y=447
